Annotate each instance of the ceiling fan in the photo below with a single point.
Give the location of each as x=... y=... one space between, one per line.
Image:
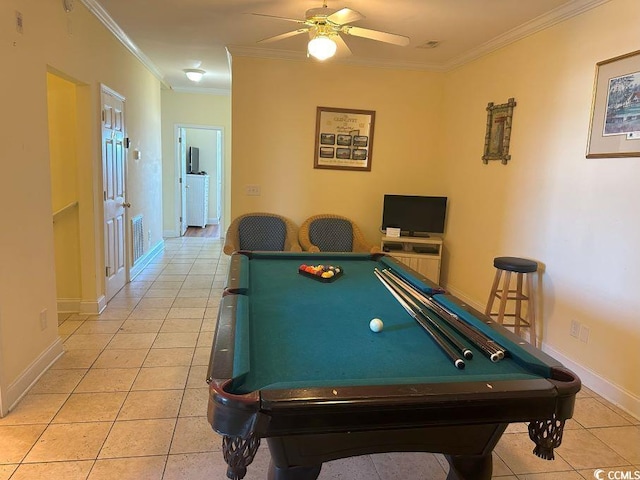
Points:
x=325 y=25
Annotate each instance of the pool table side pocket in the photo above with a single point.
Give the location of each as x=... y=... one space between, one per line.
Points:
x=238 y=276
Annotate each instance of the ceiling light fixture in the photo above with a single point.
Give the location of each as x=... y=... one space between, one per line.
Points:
x=321 y=47
x=194 y=74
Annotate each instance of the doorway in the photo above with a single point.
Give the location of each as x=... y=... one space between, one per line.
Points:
x=208 y=141
x=63 y=164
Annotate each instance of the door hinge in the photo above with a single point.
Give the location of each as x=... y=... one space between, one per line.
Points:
x=180 y=179
x=179 y=139
x=106 y=271
x=105 y=195
x=103 y=116
x=180 y=219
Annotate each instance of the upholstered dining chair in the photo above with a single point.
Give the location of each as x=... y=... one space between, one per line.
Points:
x=261 y=231
x=333 y=233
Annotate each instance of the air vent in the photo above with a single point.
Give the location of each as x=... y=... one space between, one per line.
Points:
x=138 y=237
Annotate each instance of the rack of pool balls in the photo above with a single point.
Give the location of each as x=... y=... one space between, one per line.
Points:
x=322 y=273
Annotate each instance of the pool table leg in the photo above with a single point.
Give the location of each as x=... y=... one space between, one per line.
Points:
x=470 y=467
x=293 y=473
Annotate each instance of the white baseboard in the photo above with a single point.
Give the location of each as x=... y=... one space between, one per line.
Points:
x=30 y=376
x=457 y=293
x=93 y=307
x=145 y=259
x=69 y=305
x=615 y=394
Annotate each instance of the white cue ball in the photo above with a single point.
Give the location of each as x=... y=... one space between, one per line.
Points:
x=376 y=325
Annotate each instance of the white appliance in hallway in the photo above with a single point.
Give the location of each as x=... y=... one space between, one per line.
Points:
x=197 y=200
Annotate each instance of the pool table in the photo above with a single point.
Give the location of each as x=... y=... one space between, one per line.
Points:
x=294 y=361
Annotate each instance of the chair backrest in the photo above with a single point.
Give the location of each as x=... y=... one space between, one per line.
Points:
x=331 y=234
x=262 y=233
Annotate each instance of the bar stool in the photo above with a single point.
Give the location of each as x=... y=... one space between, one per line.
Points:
x=522 y=268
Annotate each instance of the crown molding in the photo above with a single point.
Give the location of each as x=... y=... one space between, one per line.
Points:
x=549 y=19
x=103 y=16
x=560 y=14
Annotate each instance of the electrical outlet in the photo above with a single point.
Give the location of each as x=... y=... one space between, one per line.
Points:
x=252 y=190
x=43 y=319
x=575 y=329
x=584 y=334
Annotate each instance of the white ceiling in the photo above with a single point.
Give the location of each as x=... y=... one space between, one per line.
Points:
x=171 y=35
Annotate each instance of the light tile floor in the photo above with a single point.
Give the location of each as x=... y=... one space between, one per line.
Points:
x=128 y=398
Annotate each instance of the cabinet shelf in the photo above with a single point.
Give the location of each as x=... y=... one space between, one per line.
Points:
x=423 y=254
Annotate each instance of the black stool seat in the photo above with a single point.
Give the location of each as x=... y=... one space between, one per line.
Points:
x=515 y=264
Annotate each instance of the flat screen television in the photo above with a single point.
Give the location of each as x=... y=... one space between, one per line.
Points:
x=414 y=215
x=193 y=162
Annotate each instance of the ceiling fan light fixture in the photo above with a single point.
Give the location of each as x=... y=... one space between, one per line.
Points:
x=194 y=74
x=322 y=47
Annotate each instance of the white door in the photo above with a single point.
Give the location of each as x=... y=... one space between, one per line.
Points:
x=182 y=180
x=113 y=184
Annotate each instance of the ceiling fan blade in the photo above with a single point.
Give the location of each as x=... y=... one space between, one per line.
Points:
x=343 y=49
x=344 y=16
x=400 y=40
x=282 y=36
x=279 y=18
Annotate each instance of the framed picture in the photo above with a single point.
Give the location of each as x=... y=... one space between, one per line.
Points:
x=615 y=111
x=359 y=154
x=328 y=139
x=498 y=136
x=360 y=141
x=352 y=133
x=326 y=152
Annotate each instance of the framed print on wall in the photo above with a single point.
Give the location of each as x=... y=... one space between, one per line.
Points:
x=498 y=134
x=344 y=139
x=615 y=112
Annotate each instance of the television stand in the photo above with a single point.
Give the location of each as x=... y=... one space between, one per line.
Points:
x=423 y=254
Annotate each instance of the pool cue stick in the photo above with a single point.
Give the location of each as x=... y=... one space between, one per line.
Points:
x=477 y=337
x=492 y=349
x=457 y=361
x=462 y=348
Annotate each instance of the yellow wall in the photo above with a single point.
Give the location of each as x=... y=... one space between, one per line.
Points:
x=77 y=47
x=575 y=216
x=274 y=119
x=61 y=102
x=191 y=109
